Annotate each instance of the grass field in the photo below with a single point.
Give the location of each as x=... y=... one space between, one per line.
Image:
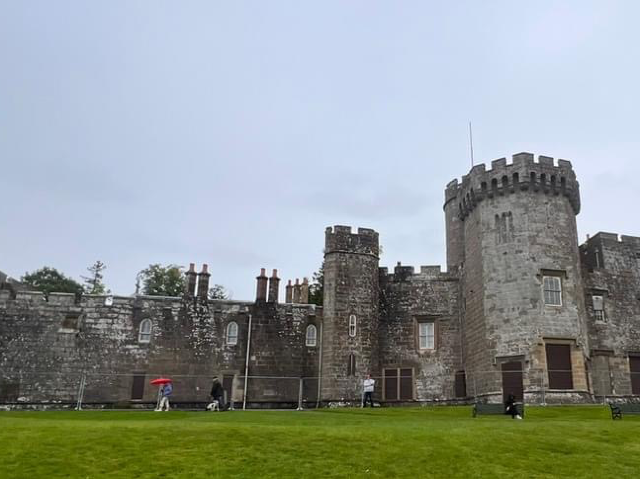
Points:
x=331 y=443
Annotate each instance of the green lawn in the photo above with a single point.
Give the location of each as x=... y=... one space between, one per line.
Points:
x=330 y=443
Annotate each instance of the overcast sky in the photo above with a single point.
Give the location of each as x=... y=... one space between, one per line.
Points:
x=233 y=133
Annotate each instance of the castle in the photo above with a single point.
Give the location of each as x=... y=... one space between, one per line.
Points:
x=522 y=309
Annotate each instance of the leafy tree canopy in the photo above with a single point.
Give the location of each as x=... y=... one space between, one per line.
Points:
x=158 y=280
x=50 y=280
x=93 y=283
x=316 y=288
x=218 y=292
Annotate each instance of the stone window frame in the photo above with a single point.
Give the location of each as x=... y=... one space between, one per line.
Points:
x=145 y=331
x=231 y=334
x=311 y=336
x=598 y=313
x=419 y=321
x=353 y=325
x=557 y=277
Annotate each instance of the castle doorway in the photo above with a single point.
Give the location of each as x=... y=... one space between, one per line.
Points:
x=512 y=380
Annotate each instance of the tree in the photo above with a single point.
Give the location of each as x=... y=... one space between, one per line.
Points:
x=158 y=280
x=218 y=292
x=93 y=283
x=50 y=280
x=316 y=288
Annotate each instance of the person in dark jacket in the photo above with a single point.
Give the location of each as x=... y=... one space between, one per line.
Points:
x=217 y=393
x=510 y=407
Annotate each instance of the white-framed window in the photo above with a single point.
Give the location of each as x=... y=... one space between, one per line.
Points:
x=232 y=333
x=144 y=333
x=598 y=307
x=352 y=325
x=552 y=290
x=426 y=335
x=311 y=336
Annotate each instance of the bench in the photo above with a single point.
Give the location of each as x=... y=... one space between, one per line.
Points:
x=494 y=408
x=617 y=410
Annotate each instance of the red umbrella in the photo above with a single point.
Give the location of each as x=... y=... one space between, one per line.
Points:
x=160 y=381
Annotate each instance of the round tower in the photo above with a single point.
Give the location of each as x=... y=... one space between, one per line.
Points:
x=521 y=285
x=350 y=311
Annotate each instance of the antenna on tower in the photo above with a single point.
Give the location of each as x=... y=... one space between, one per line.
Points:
x=471 y=144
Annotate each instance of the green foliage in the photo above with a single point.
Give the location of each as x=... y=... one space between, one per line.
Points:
x=218 y=292
x=158 y=280
x=93 y=283
x=50 y=280
x=382 y=443
x=316 y=288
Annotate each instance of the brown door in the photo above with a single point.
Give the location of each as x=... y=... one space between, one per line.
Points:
x=559 y=366
x=512 y=380
x=634 y=367
x=406 y=384
x=390 y=384
x=461 y=384
x=137 y=387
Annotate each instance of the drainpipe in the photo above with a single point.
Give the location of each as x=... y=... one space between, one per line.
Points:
x=246 y=368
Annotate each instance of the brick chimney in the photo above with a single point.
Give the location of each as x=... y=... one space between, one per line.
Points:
x=274 y=287
x=190 y=287
x=261 y=291
x=296 y=291
x=288 y=297
x=304 y=291
x=203 y=283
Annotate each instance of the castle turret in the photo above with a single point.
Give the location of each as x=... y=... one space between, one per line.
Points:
x=513 y=229
x=350 y=317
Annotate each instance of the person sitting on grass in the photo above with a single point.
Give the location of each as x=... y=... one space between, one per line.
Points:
x=510 y=407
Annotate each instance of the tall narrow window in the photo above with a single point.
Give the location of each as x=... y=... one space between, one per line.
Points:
x=232 y=333
x=552 y=290
x=598 y=307
x=144 y=334
x=351 y=367
x=352 y=325
x=311 y=336
x=426 y=335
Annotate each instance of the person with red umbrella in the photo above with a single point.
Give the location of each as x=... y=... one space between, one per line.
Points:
x=165 y=391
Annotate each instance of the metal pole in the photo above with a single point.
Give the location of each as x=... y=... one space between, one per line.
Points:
x=81 y=392
x=246 y=368
x=475 y=391
x=300 y=395
x=319 y=370
x=544 y=398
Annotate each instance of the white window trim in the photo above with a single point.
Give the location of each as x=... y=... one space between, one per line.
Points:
x=595 y=299
x=427 y=346
x=311 y=338
x=145 y=336
x=230 y=339
x=559 y=290
x=353 y=326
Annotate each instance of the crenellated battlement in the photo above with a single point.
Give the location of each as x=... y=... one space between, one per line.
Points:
x=341 y=239
x=523 y=174
x=408 y=273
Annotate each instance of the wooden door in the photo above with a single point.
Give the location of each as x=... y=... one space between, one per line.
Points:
x=512 y=380
x=461 y=384
x=559 y=366
x=391 y=384
x=137 y=386
x=406 y=384
x=634 y=368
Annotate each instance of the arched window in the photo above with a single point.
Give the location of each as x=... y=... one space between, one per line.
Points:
x=352 y=325
x=144 y=333
x=232 y=333
x=311 y=336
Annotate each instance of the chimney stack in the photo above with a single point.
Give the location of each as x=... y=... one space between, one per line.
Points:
x=296 y=291
x=274 y=286
x=304 y=291
x=261 y=292
x=191 y=280
x=288 y=298
x=203 y=283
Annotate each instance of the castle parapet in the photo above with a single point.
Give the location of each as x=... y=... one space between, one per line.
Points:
x=408 y=273
x=523 y=174
x=341 y=239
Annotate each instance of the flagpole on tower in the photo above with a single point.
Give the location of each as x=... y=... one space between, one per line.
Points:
x=471 y=144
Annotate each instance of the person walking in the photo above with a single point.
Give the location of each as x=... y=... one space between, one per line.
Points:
x=217 y=393
x=510 y=407
x=165 y=392
x=368 y=385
